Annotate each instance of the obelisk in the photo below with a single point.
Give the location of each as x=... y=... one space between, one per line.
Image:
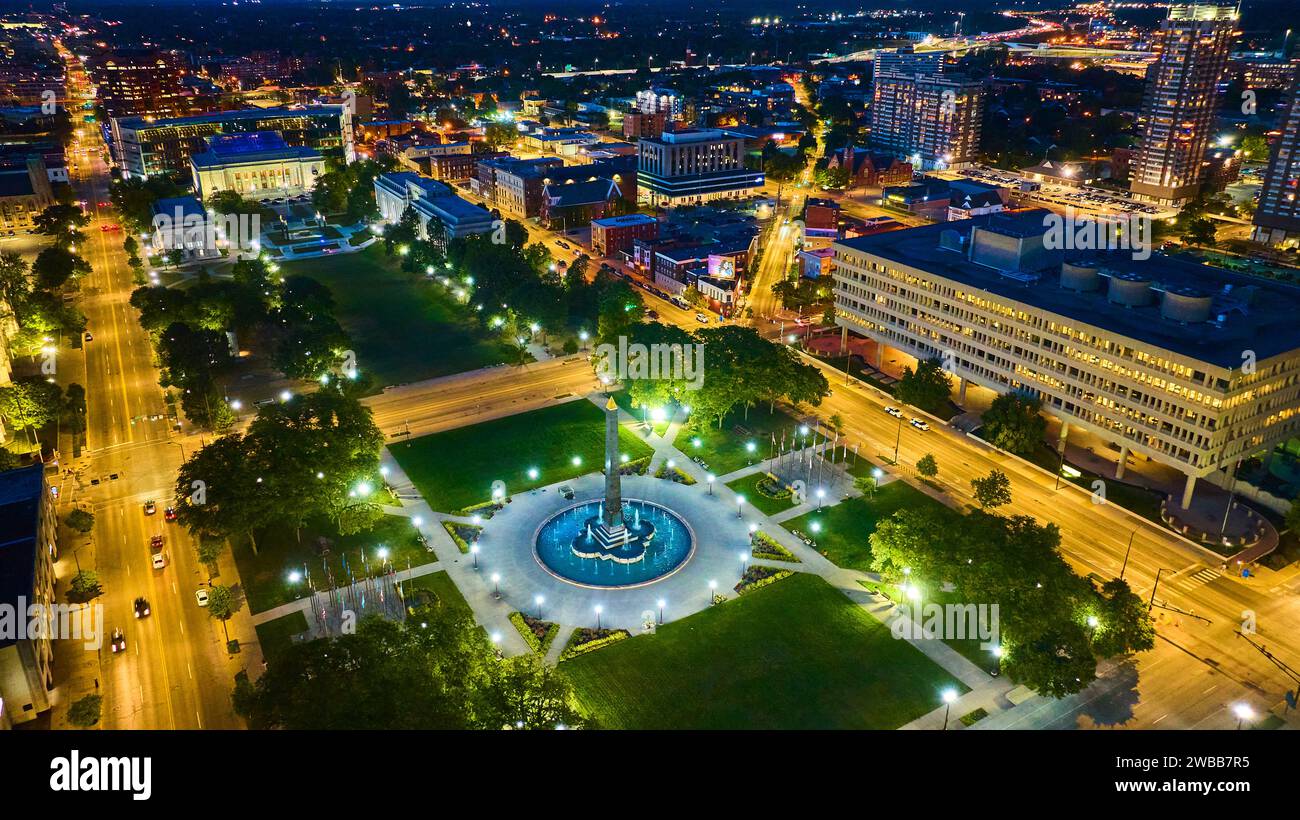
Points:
x=612 y=514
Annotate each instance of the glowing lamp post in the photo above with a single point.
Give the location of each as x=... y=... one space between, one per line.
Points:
x=949 y=695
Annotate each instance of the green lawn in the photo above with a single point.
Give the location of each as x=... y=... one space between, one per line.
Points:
x=846 y=526
x=265 y=575
x=724 y=448
x=455 y=469
x=748 y=487
x=444 y=589
x=404 y=329
x=794 y=655
x=274 y=635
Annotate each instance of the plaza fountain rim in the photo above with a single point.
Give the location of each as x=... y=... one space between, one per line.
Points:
x=690 y=532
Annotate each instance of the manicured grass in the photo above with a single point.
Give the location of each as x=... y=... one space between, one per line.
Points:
x=455 y=469
x=444 y=589
x=794 y=655
x=274 y=635
x=724 y=447
x=265 y=575
x=404 y=329
x=748 y=487
x=846 y=526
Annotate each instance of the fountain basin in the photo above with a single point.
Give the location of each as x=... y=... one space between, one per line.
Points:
x=560 y=546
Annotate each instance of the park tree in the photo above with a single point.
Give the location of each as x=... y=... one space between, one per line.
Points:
x=516 y=234
x=223 y=603
x=218 y=493
x=1055 y=663
x=927 y=467
x=926 y=387
x=85 y=711
x=1013 y=423
x=85 y=587
x=1123 y=621
x=620 y=309
x=991 y=491
x=15 y=278
x=55 y=266
x=865 y=484
x=62 y=223
x=30 y=403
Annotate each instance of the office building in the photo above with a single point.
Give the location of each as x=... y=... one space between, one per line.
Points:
x=614 y=235
x=144 y=148
x=922 y=113
x=28 y=549
x=24 y=192
x=661 y=101
x=1277 y=217
x=139 y=82
x=257 y=166
x=1181 y=99
x=1190 y=366
x=433 y=202
x=693 y=166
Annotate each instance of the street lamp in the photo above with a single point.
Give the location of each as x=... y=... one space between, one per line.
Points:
x=710 y=478
x=473 y=551
x=997 y=654
x=740 y=504
x=949 y=695
x=599 y=609
x=821 y=494
x=713 y=587
x=532 y=474
x=539 y=600
x=496 y=585
x=417 y=522
x=1243 y=712
x=662 y=603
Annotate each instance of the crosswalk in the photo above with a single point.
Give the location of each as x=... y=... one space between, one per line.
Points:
x=1198 y=579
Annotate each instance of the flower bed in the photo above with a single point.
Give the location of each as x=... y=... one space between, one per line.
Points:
x=674 y=474
x=538 y=634
x=757 y=577
x=462 y=534
x=586 y=640
x=487 y=509
x=771 y=487
x=767 y=548
x=637 y=467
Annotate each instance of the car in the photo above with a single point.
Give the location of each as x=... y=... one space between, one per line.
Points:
x=158 y=560
x=119 y=641
x=156 y=542
x=701 y=318
x=170 y=513
x=201 y=595
x=141 y=608
x=894 y=411
x=919 y=424
x=150 y=507
x=88 y=337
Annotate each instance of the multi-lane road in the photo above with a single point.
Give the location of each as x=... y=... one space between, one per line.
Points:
x=175 y=672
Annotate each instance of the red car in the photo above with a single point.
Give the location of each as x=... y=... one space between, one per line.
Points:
x=170 y=513
x=112 y=226
x=156 y=541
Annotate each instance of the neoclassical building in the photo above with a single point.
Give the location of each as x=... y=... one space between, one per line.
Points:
x=257 y=166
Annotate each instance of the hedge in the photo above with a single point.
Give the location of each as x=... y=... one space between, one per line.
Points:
x=767 y=548
x=528 y=628
x=594 y=639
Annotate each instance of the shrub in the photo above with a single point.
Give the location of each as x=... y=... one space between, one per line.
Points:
x=462 y=534
x=586 y=640
x=85 y=711
x=767 y=548
x=757 y=577
x=80 y=520
x=537 y=633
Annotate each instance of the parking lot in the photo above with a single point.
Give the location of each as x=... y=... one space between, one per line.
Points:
x=1095 y=199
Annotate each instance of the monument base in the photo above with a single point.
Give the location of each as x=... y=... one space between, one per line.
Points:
x=623 y=545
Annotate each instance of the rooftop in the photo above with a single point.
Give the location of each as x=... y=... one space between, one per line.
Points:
x=227 y=116
x=1247 y=313
x=20 y=509
x=624 y=220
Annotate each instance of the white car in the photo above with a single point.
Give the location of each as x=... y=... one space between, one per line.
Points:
x=919 y=424
x=894 y=411
x=201 y=595
x=159 y=561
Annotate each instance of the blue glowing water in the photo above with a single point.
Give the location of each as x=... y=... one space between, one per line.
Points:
x=670 y=547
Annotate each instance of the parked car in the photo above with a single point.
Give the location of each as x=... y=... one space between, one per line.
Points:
x=702 y=318
x=919 y=424
x=201 y=595
x=894 y=411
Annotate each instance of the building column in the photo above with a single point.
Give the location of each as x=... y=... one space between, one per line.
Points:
x=1187 y=491
x=880 y=351
x=1123 y=462
x=844 y=339
x=961 y=390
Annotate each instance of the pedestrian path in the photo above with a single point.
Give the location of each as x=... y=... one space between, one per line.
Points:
x=304 y=604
